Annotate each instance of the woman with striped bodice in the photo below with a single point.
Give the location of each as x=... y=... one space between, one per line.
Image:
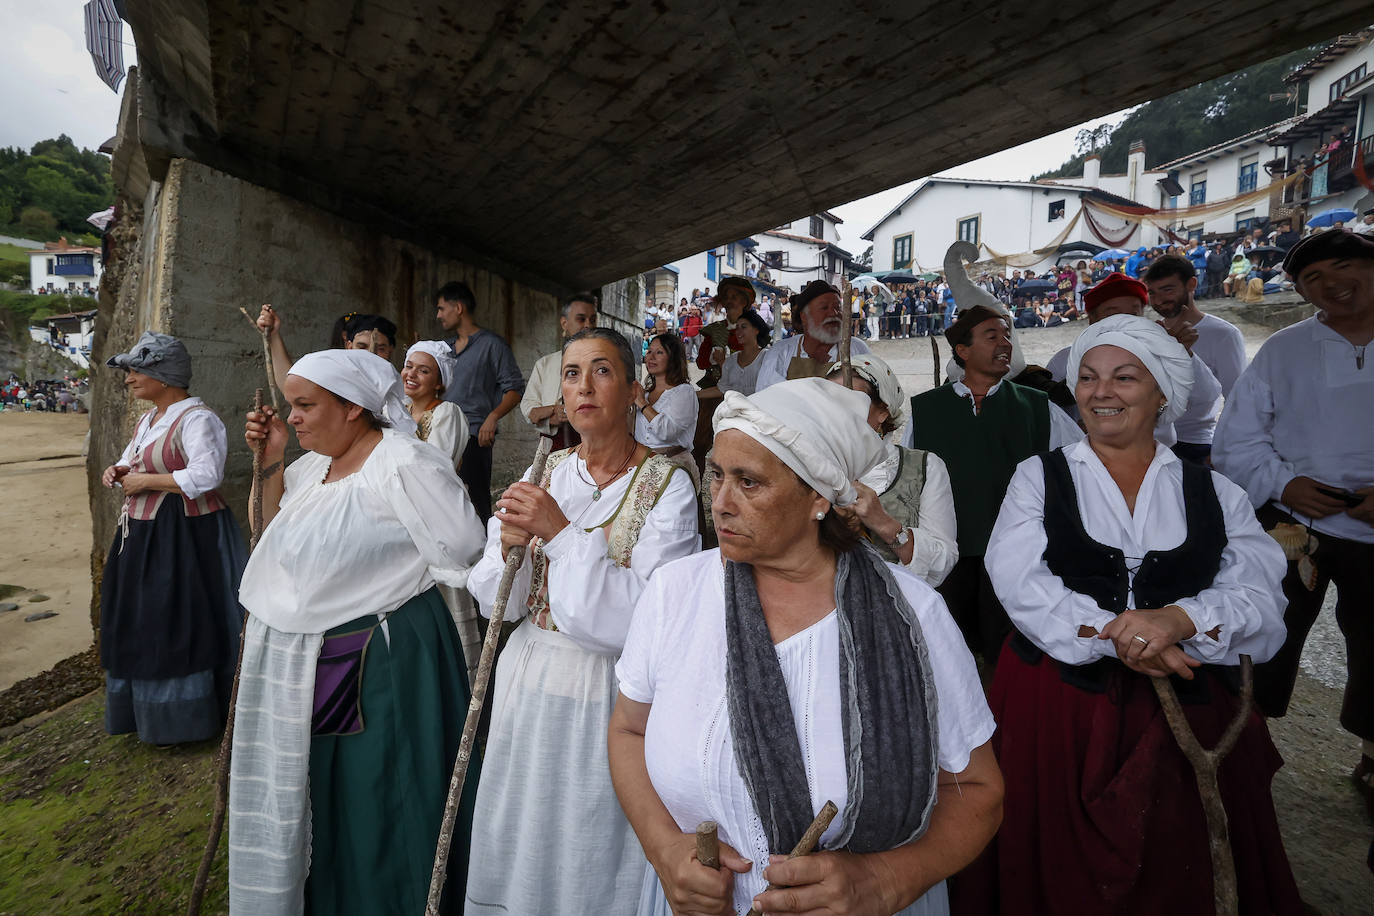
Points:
x=169 y=617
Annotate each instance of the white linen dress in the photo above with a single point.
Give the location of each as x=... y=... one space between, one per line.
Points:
x=675 y=424
x=548 y=833
x=674 y=659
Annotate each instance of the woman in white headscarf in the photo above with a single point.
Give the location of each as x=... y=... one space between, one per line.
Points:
x=790 y=667
x=427 y=373
x=905 y=502
x=353 y=687
x=1118 y=562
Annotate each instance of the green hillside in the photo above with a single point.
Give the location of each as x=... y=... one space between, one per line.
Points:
x=48 y=191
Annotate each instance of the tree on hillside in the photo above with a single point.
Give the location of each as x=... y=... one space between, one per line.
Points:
x=57 y=180
x=1193 y=118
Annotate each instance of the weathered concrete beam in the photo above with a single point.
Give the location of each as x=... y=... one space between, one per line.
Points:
x=571 y=144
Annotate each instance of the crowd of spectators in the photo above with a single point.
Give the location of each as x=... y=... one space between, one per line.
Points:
x=62 y=395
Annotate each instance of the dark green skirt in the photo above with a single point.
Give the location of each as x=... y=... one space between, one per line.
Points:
x=377 y=797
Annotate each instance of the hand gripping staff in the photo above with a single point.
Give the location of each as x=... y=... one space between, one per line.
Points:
x=514 y=558
x=807 y=844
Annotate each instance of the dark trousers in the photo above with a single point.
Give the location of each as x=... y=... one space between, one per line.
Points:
x=476 y=473
x=1350 y=565
x=975 y=608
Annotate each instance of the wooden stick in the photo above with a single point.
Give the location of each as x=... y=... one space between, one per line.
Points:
x=708 y=844
x=226 y=740
x=807 y=844
x=266 y=359
x=846 y=363
x=935 y=358
x=514 y=557
x=1205 y=764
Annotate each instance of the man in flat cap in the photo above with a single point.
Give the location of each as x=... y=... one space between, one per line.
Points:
x=1298 y=434
x=982 y=426
x=817 y=313
x=718 y=341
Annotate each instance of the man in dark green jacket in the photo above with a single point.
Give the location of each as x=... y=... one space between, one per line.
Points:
x=982 y=426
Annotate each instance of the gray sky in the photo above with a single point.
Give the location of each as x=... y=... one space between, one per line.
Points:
x=48 y=86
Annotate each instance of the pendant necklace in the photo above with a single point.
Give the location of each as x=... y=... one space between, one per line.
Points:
x=596 y=493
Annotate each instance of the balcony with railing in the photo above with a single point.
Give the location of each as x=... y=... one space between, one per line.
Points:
x=1342 y=175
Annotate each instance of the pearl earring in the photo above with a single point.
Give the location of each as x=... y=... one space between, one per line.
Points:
x=820 y=516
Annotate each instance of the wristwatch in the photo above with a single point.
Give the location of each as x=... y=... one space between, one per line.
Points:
x=902 y=537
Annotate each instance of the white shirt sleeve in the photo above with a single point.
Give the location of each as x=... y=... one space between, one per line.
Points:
x=640 y=657
x=1040 y=605
x=448 y=432
x=206 y=444
x=590 y=597
x=1243 y=448
x=538 y=388
x=675 y=422
x=777 y=357
x=1245 y=601
x=1063 y=430
x=935 y=545
x=1228 y=359
x=433 y=505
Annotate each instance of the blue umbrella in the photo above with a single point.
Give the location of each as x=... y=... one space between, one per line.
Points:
x=1330 y=218
x=1112 y=254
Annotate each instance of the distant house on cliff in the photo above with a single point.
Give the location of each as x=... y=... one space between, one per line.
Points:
x=61 y=267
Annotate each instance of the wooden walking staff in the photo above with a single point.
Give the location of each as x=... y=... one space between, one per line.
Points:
x=514 y=558
x=846 y=364
x=226 y=742
x=1205 y=763
x=807 y=844
x=708 y=844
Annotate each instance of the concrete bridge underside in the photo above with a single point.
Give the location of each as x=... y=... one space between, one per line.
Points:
x=567 y=145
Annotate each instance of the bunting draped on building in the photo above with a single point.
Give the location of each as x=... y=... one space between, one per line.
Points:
x=1031 y=258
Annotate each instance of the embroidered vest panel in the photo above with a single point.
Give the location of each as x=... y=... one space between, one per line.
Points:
x=621 y=529
x=164 y=455
x=902 y=499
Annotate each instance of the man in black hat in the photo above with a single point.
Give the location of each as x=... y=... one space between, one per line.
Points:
x=817 y=313
x=1298 y=434
x=982 y=426
x=1366 y=224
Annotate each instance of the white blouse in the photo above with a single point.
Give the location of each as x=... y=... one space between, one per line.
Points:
x=744 y=379
x=366 y=543
x=1245 y=599
x=448 y=431
x=203 y=439
x=675 y=424
x=1304 y=408
x=674 y=659
x=934 y=538
x=590 y=597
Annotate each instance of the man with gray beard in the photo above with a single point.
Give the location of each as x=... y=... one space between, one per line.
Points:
x=817 y=313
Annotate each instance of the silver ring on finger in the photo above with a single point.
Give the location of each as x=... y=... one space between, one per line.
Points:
x=1141 y=639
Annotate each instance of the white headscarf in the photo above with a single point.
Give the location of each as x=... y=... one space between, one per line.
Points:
x=443 y=357
x=817 y=428
x=360 y=377
x=1164 y=357
x=884 y=381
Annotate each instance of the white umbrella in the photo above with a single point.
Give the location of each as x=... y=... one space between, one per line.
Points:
x=104 y=37
x=102 y=219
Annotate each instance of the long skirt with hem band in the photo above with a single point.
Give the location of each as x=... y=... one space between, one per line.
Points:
x=169 y=624
x=1102 y=812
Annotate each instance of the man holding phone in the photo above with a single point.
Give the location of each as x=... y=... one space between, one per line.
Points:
x=1297 y=433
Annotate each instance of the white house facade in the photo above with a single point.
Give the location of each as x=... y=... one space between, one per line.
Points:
x=1339 y=84
x=786 y=257
x=1234 y=168
x=1012 y=218
x=65 y=268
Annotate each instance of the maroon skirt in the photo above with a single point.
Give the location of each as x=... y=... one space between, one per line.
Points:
x=1102 y=812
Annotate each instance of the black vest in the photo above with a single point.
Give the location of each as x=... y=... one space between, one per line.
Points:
x=1099 y=571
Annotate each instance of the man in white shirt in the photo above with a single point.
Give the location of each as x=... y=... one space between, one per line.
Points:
x=817 y=311
x=1366 y=224
x=1298 y=434
x=1172 y=283
x=542 y=403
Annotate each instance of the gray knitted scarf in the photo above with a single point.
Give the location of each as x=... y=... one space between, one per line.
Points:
x=887 y=704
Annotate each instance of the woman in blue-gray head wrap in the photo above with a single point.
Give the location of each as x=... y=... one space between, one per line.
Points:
x=168 y=611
